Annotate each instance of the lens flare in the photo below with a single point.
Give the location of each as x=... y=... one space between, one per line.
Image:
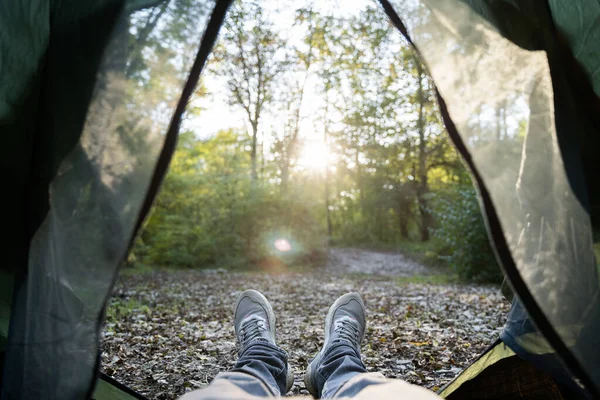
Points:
x=282 y=245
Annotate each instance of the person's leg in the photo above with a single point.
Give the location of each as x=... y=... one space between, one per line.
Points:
x=261 y=369
x=374 y=385
x=338 y=372
x=339 y=365
x=339 y=359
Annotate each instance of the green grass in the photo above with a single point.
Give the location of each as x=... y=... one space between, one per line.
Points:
x=597 y=253
x=120 y=309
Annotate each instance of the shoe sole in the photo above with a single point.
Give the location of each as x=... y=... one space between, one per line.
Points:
x=261 y=299
x=312 y=367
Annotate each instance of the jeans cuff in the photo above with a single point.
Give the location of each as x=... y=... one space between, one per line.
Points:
x=264 y=343
x=340 y=343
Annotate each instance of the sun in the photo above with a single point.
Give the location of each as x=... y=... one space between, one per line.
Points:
x=314 y=155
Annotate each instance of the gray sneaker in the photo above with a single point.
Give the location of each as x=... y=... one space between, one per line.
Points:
x=253 y=319
x=345 y=321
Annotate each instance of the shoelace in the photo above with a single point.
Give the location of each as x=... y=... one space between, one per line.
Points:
x=347 y=329
x=252 y=328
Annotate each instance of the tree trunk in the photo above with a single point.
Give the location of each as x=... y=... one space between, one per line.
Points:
x=288 y=153
x=327 y=172
x=426 y=220
x=423 y=186
x=327 y=205
x=136 y=59
x=359 y=182
x=379 y=218
x=253 y=151
x=285 y=176
x=403 y=223
x=262 y=158
x=498 y=123
x=501 y=129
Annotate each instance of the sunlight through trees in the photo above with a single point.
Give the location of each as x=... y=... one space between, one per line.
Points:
x=314 y=125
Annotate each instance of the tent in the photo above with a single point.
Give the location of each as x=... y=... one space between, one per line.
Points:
x=81 y=165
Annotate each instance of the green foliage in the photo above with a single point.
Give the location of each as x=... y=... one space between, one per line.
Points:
x=120 y=309
x=210 y=212
x=461 y=228
x=426 y=253
x=228 y=198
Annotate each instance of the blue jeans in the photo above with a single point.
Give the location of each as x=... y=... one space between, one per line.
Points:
x=339 y=364
x=261 y=372
x=269 y=364
x=266 y=362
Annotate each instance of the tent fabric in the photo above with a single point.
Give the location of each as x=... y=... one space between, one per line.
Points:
x=85 y=150
x=520 y=334
x=42 y=101
x=109 y=389
x=498 y=351
x=6 y=284
x=565 y=30
x=577 y=20
x=511 y=378
x=534 y=183
x=96 y=135
x=106 y=391
x=577 y=24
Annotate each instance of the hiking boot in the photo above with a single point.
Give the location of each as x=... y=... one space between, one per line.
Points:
x=345 y=325
x=254 y=320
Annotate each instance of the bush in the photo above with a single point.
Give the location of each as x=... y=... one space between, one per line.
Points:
x=239 y=235
x=210 y=213
x=461 y=228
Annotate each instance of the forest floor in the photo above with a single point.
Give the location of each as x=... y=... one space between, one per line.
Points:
x=169 y=332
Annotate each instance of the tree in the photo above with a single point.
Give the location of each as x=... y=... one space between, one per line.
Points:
x=392 y=139
x=303 y=57
x=249 y=56
x=326 y=123
x=393 y=173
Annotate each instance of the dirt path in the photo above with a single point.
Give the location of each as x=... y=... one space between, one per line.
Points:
x=352 y=260
x=168 y=333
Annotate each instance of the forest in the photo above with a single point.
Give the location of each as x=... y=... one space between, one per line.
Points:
x=312 y=129
x=312 y=161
